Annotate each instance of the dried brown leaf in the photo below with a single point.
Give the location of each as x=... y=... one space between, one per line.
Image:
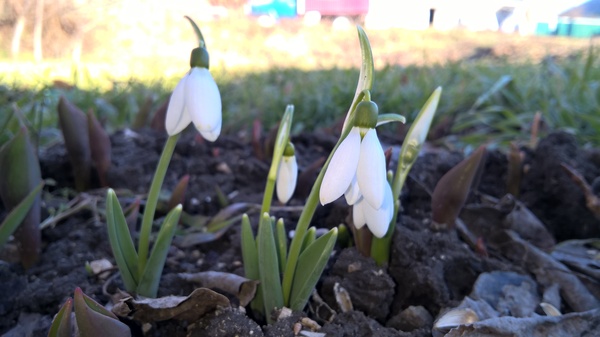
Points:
x=242 y=288
x=187 y=308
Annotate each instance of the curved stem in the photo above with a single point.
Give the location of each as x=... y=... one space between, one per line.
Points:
x=150 y=209
x=201 y=41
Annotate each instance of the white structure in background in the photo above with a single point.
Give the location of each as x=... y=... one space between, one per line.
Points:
x=470 y=14
x=385 y=14
x=476 y=15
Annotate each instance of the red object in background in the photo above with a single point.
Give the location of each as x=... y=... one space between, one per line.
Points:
x=334 y=7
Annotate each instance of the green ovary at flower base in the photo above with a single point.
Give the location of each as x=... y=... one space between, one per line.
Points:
x=358 y=171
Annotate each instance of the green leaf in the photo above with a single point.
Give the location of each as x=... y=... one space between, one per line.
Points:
x=250 y=257
x=281 y=243
x=148 y=285
x=249 y=252
x=61 y=324
x=268 y=266
x=310 y=266
x=16 y=216
x=19 y=175
x=121 y=242
x=93 y=320
x=497 y=87
x=309 y=238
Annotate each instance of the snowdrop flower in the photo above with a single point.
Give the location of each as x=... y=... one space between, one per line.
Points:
x=377 y=220
x=287 y=174
x=357 y=168
x=196 y=99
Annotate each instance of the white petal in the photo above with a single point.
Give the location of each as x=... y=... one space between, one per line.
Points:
x=358 y=214
x=203 y=101
x=378 y=220
x=352 y=194
x=177 y=117
x=286 y=178
x=342 y=168
x=212 y=135
x=371 y=172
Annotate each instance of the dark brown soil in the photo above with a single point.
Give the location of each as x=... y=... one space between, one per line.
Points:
x=429 y=271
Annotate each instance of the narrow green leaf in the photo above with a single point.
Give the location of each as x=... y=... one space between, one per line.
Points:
x=120 y=241
x=61 y=324
x=281 y=243
x=310 y=267
x=148 y=285
x=497 y=87
x=268 y=266
x=16 y=216
x=250 y=257
x=309 y=238
x=249 y=252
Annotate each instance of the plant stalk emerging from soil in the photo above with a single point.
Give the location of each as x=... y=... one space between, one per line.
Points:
x=195 y=99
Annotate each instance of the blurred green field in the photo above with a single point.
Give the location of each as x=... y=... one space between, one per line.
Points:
x=493 y=83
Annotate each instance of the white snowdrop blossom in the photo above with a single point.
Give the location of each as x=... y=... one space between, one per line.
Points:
x=196 y=99
x=377 y=220
x=287 y=175
x=356 y=169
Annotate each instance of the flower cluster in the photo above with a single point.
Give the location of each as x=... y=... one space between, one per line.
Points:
x=358 y=171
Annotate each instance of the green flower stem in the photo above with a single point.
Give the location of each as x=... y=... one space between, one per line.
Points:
x=283 y=136
x=413 y=142
x=302 y=226
x=365 y=82
x=150 y=209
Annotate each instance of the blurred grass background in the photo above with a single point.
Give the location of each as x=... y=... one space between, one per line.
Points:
x=494 y=83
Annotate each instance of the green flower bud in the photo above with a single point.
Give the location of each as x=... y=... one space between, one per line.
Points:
x=366 y=115
x=199 y=58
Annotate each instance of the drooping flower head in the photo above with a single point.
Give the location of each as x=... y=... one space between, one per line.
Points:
x=196 y=99
x=357 y=170
x=287 y=174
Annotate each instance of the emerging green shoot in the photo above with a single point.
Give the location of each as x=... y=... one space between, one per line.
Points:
x=100 y=148
x=92 y=319
x=74 y=126
x=20 y=178
x=452 y=189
